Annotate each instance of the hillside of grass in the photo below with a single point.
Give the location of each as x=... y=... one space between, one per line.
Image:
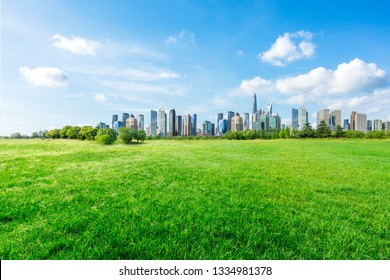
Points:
x=211 y=199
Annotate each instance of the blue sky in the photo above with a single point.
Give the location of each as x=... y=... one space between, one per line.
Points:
x=79 y=62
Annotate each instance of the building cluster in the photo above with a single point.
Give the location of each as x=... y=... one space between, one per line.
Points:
x=173 y=124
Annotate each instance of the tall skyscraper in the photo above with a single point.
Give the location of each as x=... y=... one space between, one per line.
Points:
x=335 y=116
x=153 y=122
x=303 y=117
x=230 y=115
x=237 y=123
x=117 y=125
x=219 y=117
x=179 y=125
x=172 y=123
x=294 y=119
x=269 y=108
x=323 y=115
x=132 y=122
x=352 y=122
x=254 y=103
x=361 y=122
x=162 y=122
x=275 y=122
x=369 y=125
x=346 y=125
x=141 y=121
x=125 y=116
x=194 y=125
x=223 y=126
x=187 y=125
x=245 y=121
x=114 y=119
x=377 y=124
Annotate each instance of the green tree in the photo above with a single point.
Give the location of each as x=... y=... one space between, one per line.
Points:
x=16 y=135
x=307 y=131
x=64 y=130
x=87 y=133
x=73 y=132
x=54 y=133
x=35 y=134
x=323 y=130
x=287 y=132
x=105 y=139
x=125 y=135
x=141 y=135
x=106 y=131
x=339 y=132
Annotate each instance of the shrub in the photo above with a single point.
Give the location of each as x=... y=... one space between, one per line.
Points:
x=105 y=139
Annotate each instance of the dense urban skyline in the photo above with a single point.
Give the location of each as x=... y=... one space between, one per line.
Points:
x=76 y=62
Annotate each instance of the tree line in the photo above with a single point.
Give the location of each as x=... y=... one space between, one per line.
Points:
x=105 y=136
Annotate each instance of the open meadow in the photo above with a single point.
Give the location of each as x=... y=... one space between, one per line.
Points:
x=195 y=199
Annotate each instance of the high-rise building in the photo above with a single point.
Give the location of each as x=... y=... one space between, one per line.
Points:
x=369 y=125
x=269 y=108
x=141 y=121
x=219 y=117
x=117 y=125
x=230 y=115
x=114 y=119
x=237 y=123
x=323 y=115
x=361 y=122
x=377 y=124
x=103 y=125
x=346 y=125
x=303 y=117
x=245 y=121
x=125 y=116
x=172 y=123
x=179 y=125
x=153 y=122
x=294 y=119
x=254 y=103
x=352 y=122
x=162 y=122
x=187 y=125
x=223 y=126
x=275 y=122
x=386 y=125
x=194 y=124
x=212 y=129
x=206 y=128
x=264 y=121
x=335 y=116
x=132 y=122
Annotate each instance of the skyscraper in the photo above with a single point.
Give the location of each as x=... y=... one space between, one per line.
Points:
x=369 y=125
x=153 y=122
x=132 y=122
x=125 y=116
x=141 y=121
x=294 y=119
x=236 y=123
x=162 y=122
x=352 y=122
x=179 y=125
x=230 y=115
x=114 y=119
x=219 y=117
x=346 y=125
x=269 y=108
x=377 y=124
x=323 y=115
x=187 y=125
x=361 y=122
x=245 y=121
x=172 y=123
x=335 y=115
x=194 y=125
x=254 y=103
x=223 y=126
x=275 y=122
x=303 y=117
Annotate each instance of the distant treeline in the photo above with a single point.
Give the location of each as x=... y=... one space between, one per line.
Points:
x=126 y=135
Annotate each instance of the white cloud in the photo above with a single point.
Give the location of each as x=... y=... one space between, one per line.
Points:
x=289 y=47
x=355 y=76
x=100 y=97
x=184 y=38
x=254 y=85
x=44 y=76
x=76 y=45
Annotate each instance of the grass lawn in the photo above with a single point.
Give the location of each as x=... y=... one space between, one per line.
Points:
x=195 y=199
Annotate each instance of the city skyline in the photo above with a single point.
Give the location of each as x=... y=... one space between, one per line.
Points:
x=80 y=62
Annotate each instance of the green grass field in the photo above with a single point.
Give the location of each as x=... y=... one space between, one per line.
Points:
x=195 y=199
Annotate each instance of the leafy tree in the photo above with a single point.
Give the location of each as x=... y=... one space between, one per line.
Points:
x=64 y=130
x=106 y=131
x=54 y=133
x=354 y=134
x=73 y=132
x=307 y=131
x=125 y=135
x=141 y=135
x=105 y=139
x=323 y=130
x=35 y=135
x=87 y=133
x=287 y=132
